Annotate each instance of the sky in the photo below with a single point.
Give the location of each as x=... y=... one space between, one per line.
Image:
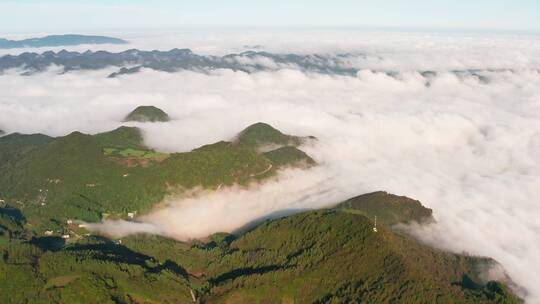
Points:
x=32 y=16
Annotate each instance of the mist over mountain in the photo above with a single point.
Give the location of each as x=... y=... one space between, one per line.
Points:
x=442 y=119
x=50 y=219
x=132 y=61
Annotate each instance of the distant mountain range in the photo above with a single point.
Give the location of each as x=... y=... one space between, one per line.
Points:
x=132 y=61
x=58 y=40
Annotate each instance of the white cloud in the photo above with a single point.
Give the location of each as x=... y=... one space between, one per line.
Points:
x=465 y=148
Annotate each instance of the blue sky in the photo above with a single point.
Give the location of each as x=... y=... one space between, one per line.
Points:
x=88 y=15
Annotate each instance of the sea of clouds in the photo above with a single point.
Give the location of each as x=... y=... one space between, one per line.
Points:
x=466 y=146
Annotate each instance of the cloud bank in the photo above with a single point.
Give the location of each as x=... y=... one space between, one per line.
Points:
x=468 y=148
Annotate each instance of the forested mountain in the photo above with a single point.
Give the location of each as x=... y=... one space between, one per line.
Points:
x=336 y=255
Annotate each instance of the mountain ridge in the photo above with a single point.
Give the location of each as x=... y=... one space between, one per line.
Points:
x=59 y=40
x=133 y=61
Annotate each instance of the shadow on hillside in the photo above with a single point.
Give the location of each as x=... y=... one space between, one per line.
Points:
x=236 y=273
x=272 y=216
x=112 y=252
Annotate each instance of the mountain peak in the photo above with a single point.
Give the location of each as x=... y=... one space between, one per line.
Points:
x=262 y=134
x=389 y=209
x=147 y=114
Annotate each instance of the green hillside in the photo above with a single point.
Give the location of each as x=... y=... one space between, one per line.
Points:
x=388 y=208
x=14 y=147
x=12 y=223
x=122 y=138
x=85 y=177
x=326 y=256
x=264 y=135
x=289 y=155
x=335 y=257
x=147 y=114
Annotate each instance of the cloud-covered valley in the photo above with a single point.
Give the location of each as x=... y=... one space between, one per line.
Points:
x=466 y=147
